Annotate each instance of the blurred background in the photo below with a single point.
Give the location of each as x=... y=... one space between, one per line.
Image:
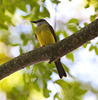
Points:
x=41 y=81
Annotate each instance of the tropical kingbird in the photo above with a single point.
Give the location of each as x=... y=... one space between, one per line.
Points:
x=46 y=35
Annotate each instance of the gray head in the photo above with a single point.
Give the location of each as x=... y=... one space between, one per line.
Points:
x=39 y=22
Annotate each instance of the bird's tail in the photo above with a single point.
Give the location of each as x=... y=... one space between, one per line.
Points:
x=60 y=69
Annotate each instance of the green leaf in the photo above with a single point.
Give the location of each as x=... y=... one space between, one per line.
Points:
x=4 y=36
x=56 y=1
x=8 y=19
x=22 y=7
x=79 y=91
x=85 y=45
x=92 y=17
x=65 y=34
x=96 y=50
x=70 y=56
x=58 y=33
x=12 y=8
x=72 y=24
x=72 y=90
x=45 y=12
x=67 y=70
x=46 y=92
x=62 y=83
x=36 y=84
x=91 y=48
x=15 y=44
x=4 y=18
x=74 y=20
x=42 y=68
x=85 y=24
x=88 y=0
x=56 y=96
x=47 y=74
x=22 y=36
x=4 y=26
x=25 y=41
x=43 y=0
x=14 y=90
x=72 y=27
x=18 y=94
x=21 y=51
x=87 y=6
x=96 y=8
x=21 y=97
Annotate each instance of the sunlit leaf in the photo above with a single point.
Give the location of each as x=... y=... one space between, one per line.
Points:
x=45 y=12
x=96 y=50
x=92 y=17
x=25 y=41
x=36 y=86
x=7 y=19
x=79 y=91
x=56 y=1
x=15 y=44
x=22 y=36
x=67 y=70
x=74 y=20
x=20 y=96
x=87 y=6
x=96 y=8
x=3 y=53
x=72 y=27
x=70 y=56
x=21 y=51
x=56 y=96
x=22 y=7
x=85 y=45
x=91 y=48
x=46 y=92
x=4 y=26
x=85 y=24
x=12 y=8
x=62 y=83
x=72 y=91
x=65 y=34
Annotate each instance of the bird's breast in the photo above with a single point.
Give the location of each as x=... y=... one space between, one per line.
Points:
x=44 y=35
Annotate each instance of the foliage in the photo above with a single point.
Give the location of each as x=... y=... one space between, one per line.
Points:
x=72 y=91
x=93 y=3
x=32 y=82
x=70 y=56
x=3 y=51
x=12 y=5
x=73 y=25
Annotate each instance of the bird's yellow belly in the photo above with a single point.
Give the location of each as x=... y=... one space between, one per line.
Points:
x=45 y=38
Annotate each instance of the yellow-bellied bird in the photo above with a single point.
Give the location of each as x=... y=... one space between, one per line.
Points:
x=46 y=35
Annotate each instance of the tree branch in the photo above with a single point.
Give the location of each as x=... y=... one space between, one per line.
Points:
x=52 y=51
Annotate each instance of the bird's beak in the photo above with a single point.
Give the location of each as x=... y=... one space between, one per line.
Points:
x=34 y=22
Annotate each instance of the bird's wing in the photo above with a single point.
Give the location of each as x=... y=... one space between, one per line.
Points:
x=51 y=29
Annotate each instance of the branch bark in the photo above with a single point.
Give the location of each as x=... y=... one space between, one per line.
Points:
x=52 y=51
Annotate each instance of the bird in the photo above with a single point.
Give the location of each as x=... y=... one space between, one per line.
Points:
x=45 y=35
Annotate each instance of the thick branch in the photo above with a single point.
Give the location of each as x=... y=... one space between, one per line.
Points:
x=50 y=52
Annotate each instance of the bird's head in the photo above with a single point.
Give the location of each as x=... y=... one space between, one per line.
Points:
x=39 y=22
